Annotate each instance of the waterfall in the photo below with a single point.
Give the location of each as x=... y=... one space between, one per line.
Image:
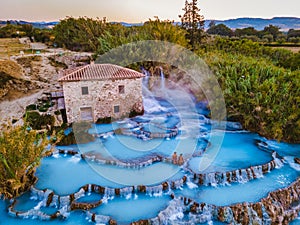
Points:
x=171 y=214
x=242 y=176
x=64 y=211
x=64 y=201
x=178 y=183
x=251 y=175
x=128 y=196
x=37 y=194
x=55 y=201
x=155 y=190
x=190 y=184
x=101 y=219
x=223 y=178
x=146 y=78
x=126 y=191
x=210 y=179
x=150 y=103
x=89 y=188
x=109 y=192
x=79 y=194
x=258 y=171
x=205 y=215
x=292 y=163
x=33 y=213
x=278 y=162
x=162 y=80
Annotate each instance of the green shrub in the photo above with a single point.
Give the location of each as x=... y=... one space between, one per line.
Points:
x=80 y=138
x=42 y=109
x=105 y=120
x=37 y=121
x=260 y=95
x=79 y=134
x=134 y=113
x=279 y=57
x=31 y=107
x=19 y=156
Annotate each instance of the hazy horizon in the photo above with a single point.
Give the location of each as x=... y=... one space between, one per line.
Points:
x=48 y=21
x=136 y=11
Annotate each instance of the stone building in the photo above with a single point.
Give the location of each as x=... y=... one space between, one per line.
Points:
x=101 y=91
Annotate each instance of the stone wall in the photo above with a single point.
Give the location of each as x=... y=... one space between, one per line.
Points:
x=102 y=97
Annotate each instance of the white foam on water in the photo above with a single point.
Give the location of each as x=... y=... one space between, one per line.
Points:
x=151 y=106
x=64 y=211
x=39 y=205
x=291 y=162
x=105 y=199
x=158 y=194
x=191 y=185
x=177 y=216
x=258 y=171
x=128 y=196
x=56 y=155
x=74 y=159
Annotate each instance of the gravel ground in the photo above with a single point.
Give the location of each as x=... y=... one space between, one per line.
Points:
x=15 y=107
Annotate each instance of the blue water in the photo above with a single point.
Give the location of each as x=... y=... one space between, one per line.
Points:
x=150 y=175
x=75 y=218
x=296 y=221
x=23 y=203
x=120 y=147
x=65 y=174
x=134 y=208
x=242 y=192
x=90 y=197
x=237 y=151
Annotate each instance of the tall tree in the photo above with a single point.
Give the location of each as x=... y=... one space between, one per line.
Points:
x=220 y=29
x=248 y=31
x=193 y=22
x=271 y=29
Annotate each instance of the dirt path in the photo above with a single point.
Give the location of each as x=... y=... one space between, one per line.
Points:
x=15 y=109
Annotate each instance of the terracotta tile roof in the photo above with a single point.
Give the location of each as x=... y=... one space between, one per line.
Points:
x=100 y=72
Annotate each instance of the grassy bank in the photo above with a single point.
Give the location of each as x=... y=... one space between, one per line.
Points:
x=259 y=93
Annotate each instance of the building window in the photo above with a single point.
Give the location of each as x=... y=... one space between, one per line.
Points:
x=121 y=89
x=84 y=90
x=116 y=109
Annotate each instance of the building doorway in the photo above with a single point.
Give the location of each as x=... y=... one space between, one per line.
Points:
x=86 y=113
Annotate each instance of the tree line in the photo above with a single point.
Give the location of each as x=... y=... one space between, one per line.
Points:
x=26 y=30
x=269 y=34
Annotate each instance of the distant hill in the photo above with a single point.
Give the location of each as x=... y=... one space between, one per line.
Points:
x=129 y=24
x=34 y=24
x=285 y=23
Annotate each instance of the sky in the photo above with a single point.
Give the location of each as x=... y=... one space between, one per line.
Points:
x=135 y=11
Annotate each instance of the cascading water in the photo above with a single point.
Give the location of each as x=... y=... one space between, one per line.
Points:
x=68 y=181
x=151 y=105
x=162 y=79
